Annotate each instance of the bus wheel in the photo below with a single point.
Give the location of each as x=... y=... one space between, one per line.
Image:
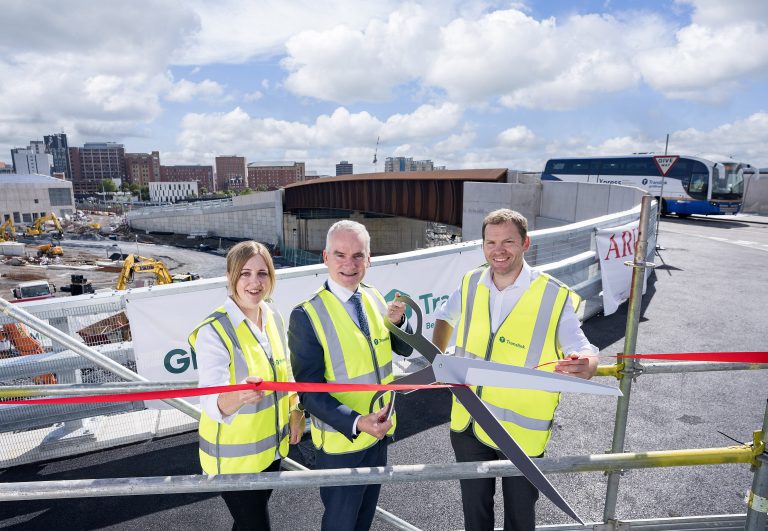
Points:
x=683 y=215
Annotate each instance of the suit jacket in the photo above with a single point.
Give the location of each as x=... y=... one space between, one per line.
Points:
x=308 y=363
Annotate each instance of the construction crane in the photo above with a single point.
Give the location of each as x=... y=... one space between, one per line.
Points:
x=37 y=227
x=140 y=264
x=7 y=231
x=375 y=153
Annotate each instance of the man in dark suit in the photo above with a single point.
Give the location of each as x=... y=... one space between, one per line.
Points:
x=339 y=335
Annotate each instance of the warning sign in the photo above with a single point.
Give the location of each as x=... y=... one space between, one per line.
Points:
x=665 y=163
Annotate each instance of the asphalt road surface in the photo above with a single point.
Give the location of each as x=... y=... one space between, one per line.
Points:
x=708 y=295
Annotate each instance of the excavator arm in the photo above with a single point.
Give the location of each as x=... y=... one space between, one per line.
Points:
x=140 y=264
x=7 y=231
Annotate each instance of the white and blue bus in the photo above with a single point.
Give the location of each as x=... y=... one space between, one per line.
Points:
x=692 y=185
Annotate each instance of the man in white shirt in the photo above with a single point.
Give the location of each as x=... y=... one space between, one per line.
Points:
x=509 y=313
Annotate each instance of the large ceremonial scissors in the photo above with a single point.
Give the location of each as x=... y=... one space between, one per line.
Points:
x=452 y=369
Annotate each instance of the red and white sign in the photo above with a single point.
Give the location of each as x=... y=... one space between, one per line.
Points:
x=665 y=163
x=617 y=245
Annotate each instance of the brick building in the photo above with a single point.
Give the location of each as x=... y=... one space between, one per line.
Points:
x=274 y=175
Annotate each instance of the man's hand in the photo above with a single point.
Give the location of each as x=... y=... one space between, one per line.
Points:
x=396 y=311
x=229 y=403
x=373 y=425
x=298 y=424
x=578 y=364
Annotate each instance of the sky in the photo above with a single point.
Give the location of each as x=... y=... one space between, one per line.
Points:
x=466 y=84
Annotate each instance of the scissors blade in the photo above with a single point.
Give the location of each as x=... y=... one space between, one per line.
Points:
x=452 y=369
x=423 y=376
x=483 y=416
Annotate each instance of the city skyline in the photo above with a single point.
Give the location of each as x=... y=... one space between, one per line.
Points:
x=464 y=84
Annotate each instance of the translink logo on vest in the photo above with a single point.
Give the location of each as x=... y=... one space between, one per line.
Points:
x=503 y=339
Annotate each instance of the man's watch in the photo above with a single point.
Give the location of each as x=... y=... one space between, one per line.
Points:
x=297 y=407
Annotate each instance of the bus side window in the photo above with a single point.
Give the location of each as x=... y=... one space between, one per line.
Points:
x=698 y=183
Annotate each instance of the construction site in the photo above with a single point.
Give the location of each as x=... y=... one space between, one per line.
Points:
x=88 y=253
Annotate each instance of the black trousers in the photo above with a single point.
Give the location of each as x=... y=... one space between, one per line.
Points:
x=351 y=508
x=477 y=494
x=249 y=507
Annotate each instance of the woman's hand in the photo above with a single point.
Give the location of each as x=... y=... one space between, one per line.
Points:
x=229 y=403
x=298 y=424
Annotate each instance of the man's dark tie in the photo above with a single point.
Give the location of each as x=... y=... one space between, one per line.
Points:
x=361 y=319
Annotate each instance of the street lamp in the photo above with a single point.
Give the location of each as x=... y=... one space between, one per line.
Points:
x=295 y=248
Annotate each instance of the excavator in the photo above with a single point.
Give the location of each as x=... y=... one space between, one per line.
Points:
x=17 y=336
x=37 y=227
x=7 y=231
x=140 y=264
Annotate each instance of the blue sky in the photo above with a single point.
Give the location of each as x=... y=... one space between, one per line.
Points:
x=466 y=84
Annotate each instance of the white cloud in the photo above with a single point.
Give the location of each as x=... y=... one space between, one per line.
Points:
x=185 y=90
x=517 y=137
x=256 y=95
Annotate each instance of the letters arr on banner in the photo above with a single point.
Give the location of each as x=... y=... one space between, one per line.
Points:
x=615 y=246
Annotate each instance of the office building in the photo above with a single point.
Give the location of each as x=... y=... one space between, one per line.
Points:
x=30 y=160
x=202 y=175
x=404 y=164
x=231 y=173
x=344 y=168
x=56 y=145
x=160 y=192
x=93 y=163
x=274 y=175
x=142 y=168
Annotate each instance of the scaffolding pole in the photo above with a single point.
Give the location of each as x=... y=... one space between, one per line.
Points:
x=757 y=498
x=91 y=488
x=629 y=371
x=87 y=352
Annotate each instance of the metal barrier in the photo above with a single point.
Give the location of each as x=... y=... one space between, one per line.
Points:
x=566 y=252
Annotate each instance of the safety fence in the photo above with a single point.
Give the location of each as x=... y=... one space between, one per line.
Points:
x=87 y=340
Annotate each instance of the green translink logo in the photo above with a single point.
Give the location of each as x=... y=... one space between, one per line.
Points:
x=429 y=303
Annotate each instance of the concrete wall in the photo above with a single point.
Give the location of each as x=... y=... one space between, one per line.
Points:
x=546 y=204
x=389 y=235
x=756 y=194
x=482 y=198
x=563 y=203
x=249 y=216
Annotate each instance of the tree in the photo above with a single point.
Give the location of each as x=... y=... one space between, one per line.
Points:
x=246 y=191
x=108 y=185
x=203 y=191
x=144 y=193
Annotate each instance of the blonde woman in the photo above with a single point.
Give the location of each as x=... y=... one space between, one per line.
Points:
x=244 y=341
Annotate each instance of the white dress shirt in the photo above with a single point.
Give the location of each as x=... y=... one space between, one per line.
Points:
x=569 y=333
x=213 y=357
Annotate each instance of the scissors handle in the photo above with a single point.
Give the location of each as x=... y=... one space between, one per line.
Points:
x=415 y=339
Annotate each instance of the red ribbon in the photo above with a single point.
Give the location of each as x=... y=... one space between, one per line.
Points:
x=200 y=391
x=721 y=357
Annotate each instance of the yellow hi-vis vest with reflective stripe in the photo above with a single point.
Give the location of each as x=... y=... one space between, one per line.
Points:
x=526 y=338
x=350 y=357
x=258 y=432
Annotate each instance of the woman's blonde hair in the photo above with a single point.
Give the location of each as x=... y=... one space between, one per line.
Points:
x=237 y=258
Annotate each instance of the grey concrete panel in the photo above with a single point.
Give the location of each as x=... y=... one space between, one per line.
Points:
x=591 y=201
x=482 y=198
x=558 y=200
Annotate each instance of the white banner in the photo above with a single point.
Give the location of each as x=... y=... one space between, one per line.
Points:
x=614 y=247
x=161 y=320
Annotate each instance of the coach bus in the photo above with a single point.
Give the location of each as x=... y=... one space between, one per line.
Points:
x=692 y=185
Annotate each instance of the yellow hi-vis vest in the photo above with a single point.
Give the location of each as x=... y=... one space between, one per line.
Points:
x=258 y=432
x=526 y=338
x=350 y=357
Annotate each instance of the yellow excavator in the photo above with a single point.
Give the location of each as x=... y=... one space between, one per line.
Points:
x=37 y=227
x=7 y=231
x=140 y=264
